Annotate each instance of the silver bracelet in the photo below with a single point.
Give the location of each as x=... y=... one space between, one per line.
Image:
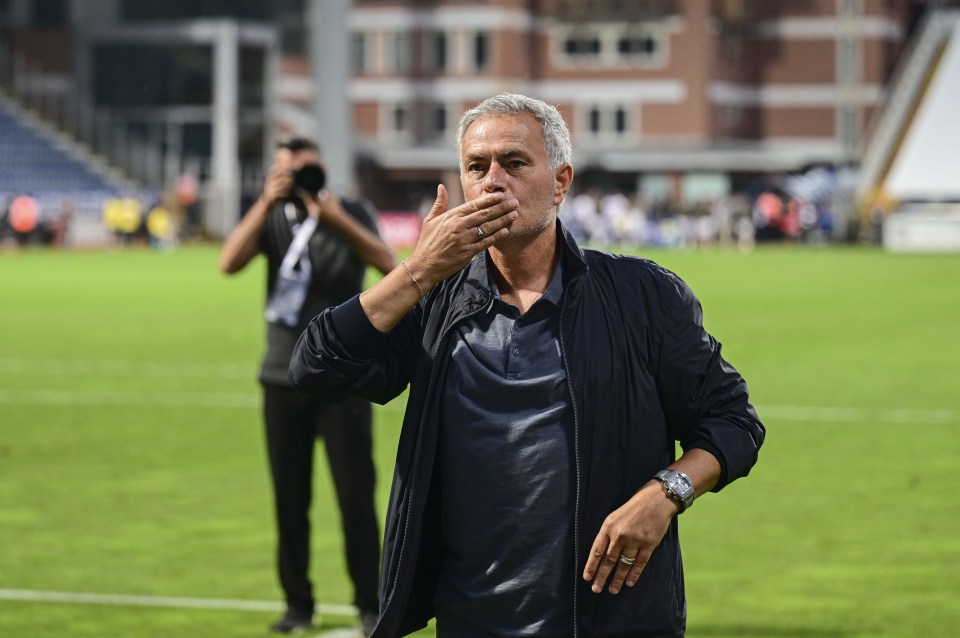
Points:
x=413 y=279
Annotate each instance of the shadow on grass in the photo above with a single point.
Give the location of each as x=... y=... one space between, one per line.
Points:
x=748 y=631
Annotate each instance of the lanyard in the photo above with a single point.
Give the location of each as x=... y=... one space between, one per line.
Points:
x=298 y=245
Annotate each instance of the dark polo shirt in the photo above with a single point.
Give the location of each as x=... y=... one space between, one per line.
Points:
x=506 y=470
x=337 y=273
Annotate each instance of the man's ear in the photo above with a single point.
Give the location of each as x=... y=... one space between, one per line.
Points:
x=563 y=178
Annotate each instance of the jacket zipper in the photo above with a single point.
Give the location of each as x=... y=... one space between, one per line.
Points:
x=576 y=460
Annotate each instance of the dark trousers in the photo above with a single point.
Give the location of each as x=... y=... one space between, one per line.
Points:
x=293 y=422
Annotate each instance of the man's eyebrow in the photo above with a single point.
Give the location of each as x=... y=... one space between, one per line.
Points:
x=513 y=152
x=504 y=155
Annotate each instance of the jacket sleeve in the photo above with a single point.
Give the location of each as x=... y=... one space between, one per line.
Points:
x=341 y=354
x=705 y=399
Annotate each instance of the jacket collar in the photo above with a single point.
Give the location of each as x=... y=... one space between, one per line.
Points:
x=475 y=291
x=576 y=261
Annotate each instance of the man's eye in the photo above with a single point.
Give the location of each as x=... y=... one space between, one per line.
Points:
x=474 y=168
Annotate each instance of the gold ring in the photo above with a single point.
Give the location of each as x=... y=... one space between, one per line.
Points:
x=626 y=560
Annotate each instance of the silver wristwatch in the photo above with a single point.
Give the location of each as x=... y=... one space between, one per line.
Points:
x=679 y=487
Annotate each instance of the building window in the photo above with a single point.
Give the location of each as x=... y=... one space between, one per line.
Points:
x=481 y=50
x=292 y=26
x=252 y=85
x=583 y=44
x=731 y=115
x=436 y=122
x=358 y=53
x=396 y=123
x=438 y=117
x=620 y=120
x=400 y=119
x=612 y=45
x=398 y=49
x=608 y=123
x=436 y=51
x=594 y=125
x=638 y=42
x=164 y=74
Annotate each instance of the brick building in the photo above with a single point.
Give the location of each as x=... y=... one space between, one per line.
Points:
x=677 y=98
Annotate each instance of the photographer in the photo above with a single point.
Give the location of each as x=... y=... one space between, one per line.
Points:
x=317 y=249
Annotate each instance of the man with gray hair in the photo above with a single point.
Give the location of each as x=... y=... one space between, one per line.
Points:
x=537 y=486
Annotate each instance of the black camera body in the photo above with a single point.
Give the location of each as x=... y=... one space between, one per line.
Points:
x=310 y=177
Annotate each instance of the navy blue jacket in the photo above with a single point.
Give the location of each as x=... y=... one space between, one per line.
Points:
x=642 y=372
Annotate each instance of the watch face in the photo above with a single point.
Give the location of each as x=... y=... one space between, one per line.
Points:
x=680 y=486
x=683 y=485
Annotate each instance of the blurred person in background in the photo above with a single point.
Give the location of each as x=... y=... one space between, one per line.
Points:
x=537 y=486
x=317 y=248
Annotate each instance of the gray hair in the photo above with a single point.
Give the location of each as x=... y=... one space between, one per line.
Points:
x=556 y=135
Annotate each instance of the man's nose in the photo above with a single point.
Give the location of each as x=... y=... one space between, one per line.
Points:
x=495 y=179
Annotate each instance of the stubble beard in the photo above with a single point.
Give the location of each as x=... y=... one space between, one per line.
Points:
x=524 y=234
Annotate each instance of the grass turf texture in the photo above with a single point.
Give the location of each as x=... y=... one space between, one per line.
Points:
x=132 y=460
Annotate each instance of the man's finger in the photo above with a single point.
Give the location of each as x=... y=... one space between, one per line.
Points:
x=440 y=204
x=492 y=211
x=634 y=574
x=627 y=562
x=283 y=159
x=490 y=240
x=596 y=554
x=607 y=564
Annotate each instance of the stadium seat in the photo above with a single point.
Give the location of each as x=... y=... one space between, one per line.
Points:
x=31 y=163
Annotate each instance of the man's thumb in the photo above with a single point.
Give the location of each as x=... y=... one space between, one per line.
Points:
x=440 y=205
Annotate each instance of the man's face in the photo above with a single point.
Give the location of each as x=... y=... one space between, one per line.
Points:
x=506 y=153
x=291 y=161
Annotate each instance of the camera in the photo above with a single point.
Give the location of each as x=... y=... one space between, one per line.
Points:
x=310 y=178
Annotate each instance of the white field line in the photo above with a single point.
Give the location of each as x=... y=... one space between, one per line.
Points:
x=343 y=632
x=858 y=415
x=84 y=598
x=248 y=400
x=107 y=398
x=133 y=369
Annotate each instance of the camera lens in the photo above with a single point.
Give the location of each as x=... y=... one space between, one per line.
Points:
x=310 y=178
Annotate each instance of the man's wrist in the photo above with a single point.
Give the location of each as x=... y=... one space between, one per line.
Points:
x=265 y=202
x=422 y=275
x=678 y=487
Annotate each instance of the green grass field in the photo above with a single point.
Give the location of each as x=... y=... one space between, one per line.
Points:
x=132 y=460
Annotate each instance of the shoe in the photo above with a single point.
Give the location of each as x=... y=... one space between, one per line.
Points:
x=368 y=620
x=293 y=620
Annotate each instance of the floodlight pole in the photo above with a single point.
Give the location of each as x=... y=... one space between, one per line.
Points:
x=223 y=208
x=329 y=46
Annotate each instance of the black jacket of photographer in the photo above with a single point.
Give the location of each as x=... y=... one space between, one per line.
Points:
x=643 y=373
x=336 y=275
